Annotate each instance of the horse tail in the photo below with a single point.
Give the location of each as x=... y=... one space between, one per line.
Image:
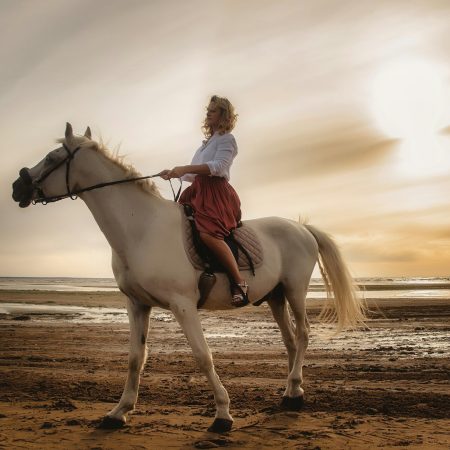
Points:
x=347 y=306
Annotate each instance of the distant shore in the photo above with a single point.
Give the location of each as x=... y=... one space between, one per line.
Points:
x=97 y=299
x=118 y=300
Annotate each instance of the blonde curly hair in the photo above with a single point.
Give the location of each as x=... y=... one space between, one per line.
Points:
x=228 y=116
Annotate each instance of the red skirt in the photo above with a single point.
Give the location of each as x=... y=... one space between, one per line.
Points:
x=216 y=205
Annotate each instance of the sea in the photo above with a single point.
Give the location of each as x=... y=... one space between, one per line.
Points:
x=421 y=341
x=373 y=287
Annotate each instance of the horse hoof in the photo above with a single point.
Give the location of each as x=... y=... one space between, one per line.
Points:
x=111 y=423
x=292 y=403
x=221 y=426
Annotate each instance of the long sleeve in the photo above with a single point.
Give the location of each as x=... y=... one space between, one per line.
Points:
x=189 y=177
x=226 y=151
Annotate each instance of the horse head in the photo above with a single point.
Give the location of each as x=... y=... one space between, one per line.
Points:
x=49 y=177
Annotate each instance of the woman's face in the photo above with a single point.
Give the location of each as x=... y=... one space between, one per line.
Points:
x=213 y=115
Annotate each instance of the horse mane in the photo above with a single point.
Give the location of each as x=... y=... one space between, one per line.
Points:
x=147 y=185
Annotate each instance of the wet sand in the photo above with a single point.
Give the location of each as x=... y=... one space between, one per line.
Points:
x=382 y=388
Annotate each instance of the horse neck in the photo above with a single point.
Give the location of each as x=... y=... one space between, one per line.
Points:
x=123 y=212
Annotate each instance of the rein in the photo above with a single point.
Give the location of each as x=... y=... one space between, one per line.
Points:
x=73 y=195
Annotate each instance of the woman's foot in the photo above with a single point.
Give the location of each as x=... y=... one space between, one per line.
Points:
x=239 y=294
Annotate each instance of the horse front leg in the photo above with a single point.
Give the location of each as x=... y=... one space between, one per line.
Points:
x=138 y=316
x=187 y=317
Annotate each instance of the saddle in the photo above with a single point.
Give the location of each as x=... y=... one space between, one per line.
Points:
x=242 y=241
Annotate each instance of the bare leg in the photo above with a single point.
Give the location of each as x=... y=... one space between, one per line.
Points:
x=220 y=248
x=138 y=316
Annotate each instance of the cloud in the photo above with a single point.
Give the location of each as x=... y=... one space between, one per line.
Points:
x=316 y=150
x=299 y=74
x=373 y=253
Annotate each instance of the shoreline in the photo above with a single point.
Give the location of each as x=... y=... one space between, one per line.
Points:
x=118 y=300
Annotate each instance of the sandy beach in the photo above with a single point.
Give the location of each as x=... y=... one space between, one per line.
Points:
x=61 y=371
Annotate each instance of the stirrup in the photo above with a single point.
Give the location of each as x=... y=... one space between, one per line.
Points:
x=241 y=299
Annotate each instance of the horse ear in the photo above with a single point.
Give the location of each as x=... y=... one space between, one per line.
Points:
x=69 y=131
x=87 y=133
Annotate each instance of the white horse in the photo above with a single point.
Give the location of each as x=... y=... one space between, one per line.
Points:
x=152 y=269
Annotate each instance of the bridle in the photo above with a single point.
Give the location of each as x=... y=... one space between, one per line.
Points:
x=73 y=194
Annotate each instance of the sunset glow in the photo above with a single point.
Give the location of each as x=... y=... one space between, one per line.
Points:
x=410 y=102
x=409 y=99
x=344 y=117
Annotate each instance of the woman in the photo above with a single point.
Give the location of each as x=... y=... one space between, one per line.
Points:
x=216 y=205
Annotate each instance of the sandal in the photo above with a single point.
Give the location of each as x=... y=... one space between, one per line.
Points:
x=239 y=298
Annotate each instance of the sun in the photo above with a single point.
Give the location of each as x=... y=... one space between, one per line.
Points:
x=408 y=98
x=409 y=102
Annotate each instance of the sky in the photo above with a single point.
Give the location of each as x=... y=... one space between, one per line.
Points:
x=344 y=117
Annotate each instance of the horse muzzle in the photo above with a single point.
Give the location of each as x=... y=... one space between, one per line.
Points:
x=23 y=188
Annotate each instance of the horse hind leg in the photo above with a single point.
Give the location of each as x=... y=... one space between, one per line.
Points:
x=138 y=315
x=293 y=395
x=280 y=312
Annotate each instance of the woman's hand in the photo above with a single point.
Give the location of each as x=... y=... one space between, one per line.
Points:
x=176 y=172
x=164 y=174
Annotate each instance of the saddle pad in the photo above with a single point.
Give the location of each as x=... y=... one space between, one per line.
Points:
x=244 y=235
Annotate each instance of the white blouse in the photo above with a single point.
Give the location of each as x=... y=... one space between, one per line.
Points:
x=218 y=153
